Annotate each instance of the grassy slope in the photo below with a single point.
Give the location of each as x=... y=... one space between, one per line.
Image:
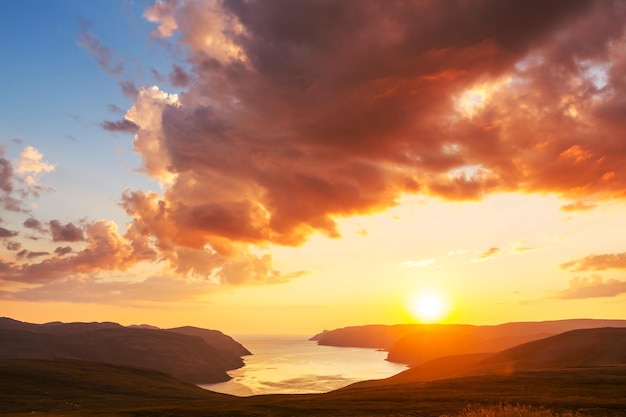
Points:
x=54 y=388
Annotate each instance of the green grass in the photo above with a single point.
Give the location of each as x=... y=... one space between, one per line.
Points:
x=80 y=388
x=508 y=410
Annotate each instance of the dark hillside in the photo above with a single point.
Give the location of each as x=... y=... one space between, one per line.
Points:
x=81 y=388
x=576 y=348
x=201 y=358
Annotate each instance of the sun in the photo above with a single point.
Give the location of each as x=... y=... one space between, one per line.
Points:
x=429 y=307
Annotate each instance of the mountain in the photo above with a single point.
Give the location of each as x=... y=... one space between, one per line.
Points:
x=574 y=349
x=414 y=344
x=190 y=354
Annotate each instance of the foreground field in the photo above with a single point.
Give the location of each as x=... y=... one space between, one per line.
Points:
x=79 y=388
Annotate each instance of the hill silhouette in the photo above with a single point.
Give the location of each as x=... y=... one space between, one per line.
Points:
x=576 y=348
x=190 y=354
x=414 y=344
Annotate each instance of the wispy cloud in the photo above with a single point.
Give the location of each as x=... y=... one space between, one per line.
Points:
x=522 y=246
x=124 y=126
x=597 y=262
x=578 y=206
x=488 y=254
x=105 y=56
x=179 y=77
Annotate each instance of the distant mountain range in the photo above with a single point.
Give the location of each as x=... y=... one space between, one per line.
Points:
x=190 y=354
x=415 y=344
x=574 y=349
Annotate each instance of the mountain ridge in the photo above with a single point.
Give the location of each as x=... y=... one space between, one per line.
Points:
x=198 y=356
x=413 y=344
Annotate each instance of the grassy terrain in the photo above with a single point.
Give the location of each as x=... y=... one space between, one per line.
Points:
x=508 y=410
x=80 y=388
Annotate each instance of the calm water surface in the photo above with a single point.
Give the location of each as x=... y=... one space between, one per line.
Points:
x=294 y=365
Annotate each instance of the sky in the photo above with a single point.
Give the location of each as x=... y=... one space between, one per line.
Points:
x=292 y=166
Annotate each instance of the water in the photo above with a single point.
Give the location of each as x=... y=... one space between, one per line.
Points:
x=294 y=365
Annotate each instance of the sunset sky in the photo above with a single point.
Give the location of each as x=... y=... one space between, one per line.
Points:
x=290 y=166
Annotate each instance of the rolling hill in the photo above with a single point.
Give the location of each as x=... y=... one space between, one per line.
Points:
x=581 y=370
x=190 y=354
x=574 y=349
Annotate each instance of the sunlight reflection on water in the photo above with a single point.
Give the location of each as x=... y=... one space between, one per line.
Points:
x=294 y=365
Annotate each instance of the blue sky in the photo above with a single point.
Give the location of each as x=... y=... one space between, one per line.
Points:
x=56 y=96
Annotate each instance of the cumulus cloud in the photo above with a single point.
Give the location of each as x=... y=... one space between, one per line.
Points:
x=106 y=250
x=65 y=233
x=592 y=287
x=295 y=114
x=32 y=223
x=597 y=262
x=30 y=164
x=20 y=178
x=162 y=13
x=489 y=253
x=299 y=113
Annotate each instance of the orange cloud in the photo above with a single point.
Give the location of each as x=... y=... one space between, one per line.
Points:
x=578 y=206
x=597 y=262
x=292 y=115
x=105 y=250
x=489 y=253
x=592 y=287
x=283 y=128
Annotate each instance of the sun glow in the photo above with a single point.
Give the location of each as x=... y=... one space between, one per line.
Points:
x=428 y=307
